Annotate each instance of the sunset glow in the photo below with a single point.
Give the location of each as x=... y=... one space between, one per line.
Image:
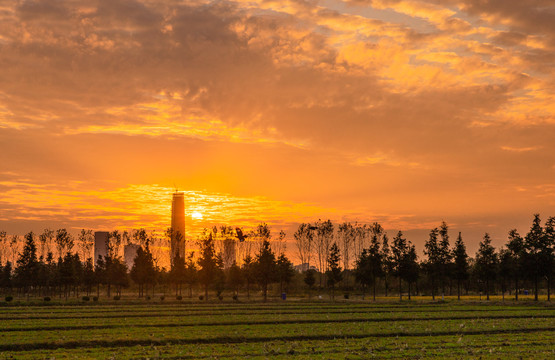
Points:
x=406 y=112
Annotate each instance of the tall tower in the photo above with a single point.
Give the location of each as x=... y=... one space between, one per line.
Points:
x=177 y=245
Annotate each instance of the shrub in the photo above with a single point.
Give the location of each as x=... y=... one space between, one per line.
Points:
x=220 y=297
x=95 y=298
x=162 y=298
x=8 y=298
x=179 y=297
x=85 y=298
x=346 y=296
x=47 y=298
x=147 y=297
x=235 y=297
x=201 y=297
x=117 y=297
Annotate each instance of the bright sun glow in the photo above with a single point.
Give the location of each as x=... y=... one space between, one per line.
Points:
x=196 y=215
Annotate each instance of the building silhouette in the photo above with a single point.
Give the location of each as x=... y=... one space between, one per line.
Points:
x=177 y=244
x=101 y=239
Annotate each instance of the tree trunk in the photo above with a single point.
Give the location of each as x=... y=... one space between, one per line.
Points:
x=536 y=288
x=433 y=289
x=549 y=288
x=487 y=289
x=458 y=290
x=206 y=292
x=409 y=290
x=374 y=295
x=516 y=288
x=400 y=292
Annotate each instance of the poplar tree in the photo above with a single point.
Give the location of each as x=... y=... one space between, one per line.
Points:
x=461 y=266
x=333 y=274
x=207 y=263
x=265 y=268
x=26 y=272
x=533 y=244
x=515 y=245
x=486 y=262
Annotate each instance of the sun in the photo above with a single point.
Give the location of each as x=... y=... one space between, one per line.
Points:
x=196 y=215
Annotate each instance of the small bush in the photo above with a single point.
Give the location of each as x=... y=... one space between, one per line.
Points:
x=47 y=298
x=8 y=298
x=117 y=297
x=147 y=297
x=201 y=297
x=162 y=298
x=95 y=298
x=179 y=297
x=85 y=298
x=235 y=297
x=220 y=297
x=346 y=296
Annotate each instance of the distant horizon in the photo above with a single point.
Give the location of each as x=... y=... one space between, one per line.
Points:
x=417 y=236
x=404 y=112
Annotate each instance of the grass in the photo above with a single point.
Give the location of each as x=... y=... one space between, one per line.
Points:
x=303 y=330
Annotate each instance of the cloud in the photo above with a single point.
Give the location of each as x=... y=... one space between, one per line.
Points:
x=520 y=149
x=395 y=104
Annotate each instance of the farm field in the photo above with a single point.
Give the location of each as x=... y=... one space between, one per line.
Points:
x=303 y=330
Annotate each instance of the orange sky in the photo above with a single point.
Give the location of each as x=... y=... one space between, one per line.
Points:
x=406 y=112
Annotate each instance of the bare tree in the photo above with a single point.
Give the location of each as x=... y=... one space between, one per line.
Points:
x=279 y=244
x=303 y=239
x=86 y=242
x=64 y=242
x=14 y=242
x=3 y=246
x=345 y=236
x=46 y=239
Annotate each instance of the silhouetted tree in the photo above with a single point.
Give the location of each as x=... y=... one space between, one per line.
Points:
x=369 y=265
x=460 y=270
x=177 y=273
x=26 y=272
x=265 y=268
x=219 y=278
x=234 y=278
x=207 y=263
x=143 y=270
x=410 y=268
x=433 y=251
x=548 y=252
x=6 y=276
x=191 y=273
x=46 y=239
x=333 y=274
x=304 y=238
x=324 y=236
x=445 y=256
x=537 y=250
x=309 y=280
x=100 y=273
x=486 y=262
x=86 y=242
x=64 y=242
x=387 y=262
x=89 y=279
x=248 y=273
x=515 y=245
x=399 y=250
x=285 y=272
x=506 y=268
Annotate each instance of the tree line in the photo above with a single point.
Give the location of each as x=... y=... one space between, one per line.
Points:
x=349 y=257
